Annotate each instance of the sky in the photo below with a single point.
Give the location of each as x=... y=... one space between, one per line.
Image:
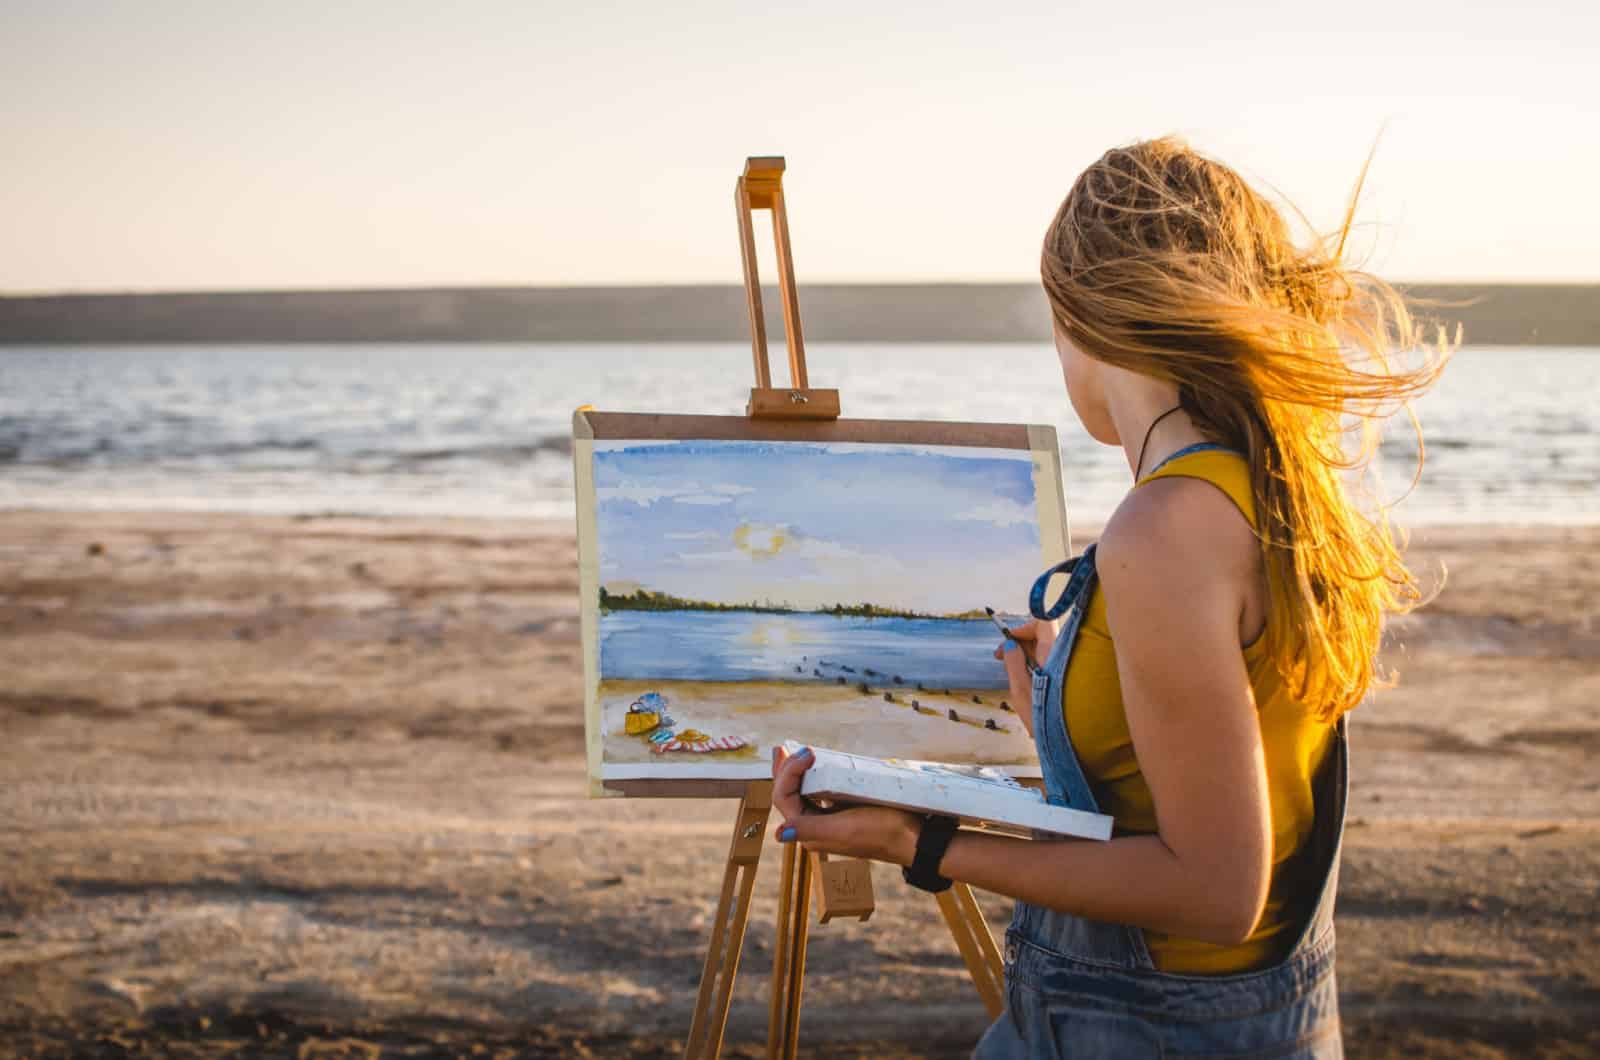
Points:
x=221 y=145
x=931 y=529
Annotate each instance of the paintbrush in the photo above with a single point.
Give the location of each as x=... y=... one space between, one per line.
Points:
x=1032 y=668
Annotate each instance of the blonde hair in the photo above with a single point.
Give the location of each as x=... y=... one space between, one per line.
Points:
x=1167 y=263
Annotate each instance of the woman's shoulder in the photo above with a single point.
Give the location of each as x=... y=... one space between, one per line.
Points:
x=1177 y=518
x=1228 y=470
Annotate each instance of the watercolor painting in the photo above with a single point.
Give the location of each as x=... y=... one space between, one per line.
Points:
x=749 y=592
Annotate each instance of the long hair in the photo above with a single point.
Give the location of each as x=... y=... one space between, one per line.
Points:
x=1167 y=263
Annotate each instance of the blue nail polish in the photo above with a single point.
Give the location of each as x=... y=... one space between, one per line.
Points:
x=1009 y=645
x=787 y=835
x=805 y=752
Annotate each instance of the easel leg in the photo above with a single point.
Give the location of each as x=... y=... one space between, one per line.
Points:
x=789 y=954
x=722 y=956
x=779 y=998
x=976 y=944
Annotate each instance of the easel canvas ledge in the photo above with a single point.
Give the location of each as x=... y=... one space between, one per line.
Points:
x=590 y=426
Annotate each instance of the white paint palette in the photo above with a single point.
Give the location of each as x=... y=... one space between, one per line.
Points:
x=981 y=797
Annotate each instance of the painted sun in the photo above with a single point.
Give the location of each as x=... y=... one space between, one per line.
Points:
x=759 y=542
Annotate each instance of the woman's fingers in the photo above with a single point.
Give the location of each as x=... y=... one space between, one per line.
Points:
x=1035 y=638
x=874 y=832
x=1028 y=631
x=823 y=831
x=787 y=771
x=1039 y=637
x=827 y=832
x=1017 y=676
x=1026 y=640
x=1029 y=642
x=879 y=833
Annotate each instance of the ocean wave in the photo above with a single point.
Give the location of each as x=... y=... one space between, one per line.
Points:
x=1508 y=435
x=134 y=452
x=500 y=453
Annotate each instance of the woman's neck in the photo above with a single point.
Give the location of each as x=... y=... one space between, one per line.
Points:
x=1134 y=413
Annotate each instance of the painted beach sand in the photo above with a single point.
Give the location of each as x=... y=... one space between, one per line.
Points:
x=746 y=593
x=983 y=732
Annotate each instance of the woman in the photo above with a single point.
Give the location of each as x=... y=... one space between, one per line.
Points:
x=1214 y=637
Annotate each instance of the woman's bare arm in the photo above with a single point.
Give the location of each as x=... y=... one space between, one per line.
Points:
x=1173 y=563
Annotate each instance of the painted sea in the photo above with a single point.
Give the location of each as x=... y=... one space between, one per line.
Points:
x=1513 y=433
x=804 y=648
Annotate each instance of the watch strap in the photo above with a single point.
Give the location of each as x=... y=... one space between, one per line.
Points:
x=932 y=841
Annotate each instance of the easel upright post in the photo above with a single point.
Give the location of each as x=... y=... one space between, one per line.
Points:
x=789 y=954
x=843 y=885
x=761 y=188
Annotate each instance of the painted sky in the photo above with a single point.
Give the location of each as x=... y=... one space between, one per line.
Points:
x=169 y=145
x=929 y=529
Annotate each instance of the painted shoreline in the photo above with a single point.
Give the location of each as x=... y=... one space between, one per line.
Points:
x=824 y=714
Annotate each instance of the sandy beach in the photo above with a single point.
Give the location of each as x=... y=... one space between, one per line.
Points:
x=314 y=787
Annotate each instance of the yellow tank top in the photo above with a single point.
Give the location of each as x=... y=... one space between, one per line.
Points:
x=1295 y=744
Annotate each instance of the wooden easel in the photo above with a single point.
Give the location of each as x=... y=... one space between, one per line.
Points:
x=846 y=883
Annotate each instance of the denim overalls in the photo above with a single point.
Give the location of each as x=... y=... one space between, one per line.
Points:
x=1085 y=988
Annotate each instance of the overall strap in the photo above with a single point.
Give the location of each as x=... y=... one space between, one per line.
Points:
x=1197 y=447
x=1321 y=878
x=1079 y=569
x=1064 y=779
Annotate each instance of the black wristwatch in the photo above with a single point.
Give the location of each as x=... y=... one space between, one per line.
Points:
x=937 y=831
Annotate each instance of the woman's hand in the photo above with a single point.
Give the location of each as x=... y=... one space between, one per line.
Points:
x=879 y=833
x=1035 y=638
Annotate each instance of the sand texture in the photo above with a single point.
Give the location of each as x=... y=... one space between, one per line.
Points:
x=314 y=787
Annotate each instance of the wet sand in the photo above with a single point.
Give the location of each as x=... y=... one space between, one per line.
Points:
x=314 y=787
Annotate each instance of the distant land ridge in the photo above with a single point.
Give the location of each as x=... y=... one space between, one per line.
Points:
x=1499 y=314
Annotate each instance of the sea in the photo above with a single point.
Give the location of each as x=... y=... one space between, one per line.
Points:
x=1511 y=434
